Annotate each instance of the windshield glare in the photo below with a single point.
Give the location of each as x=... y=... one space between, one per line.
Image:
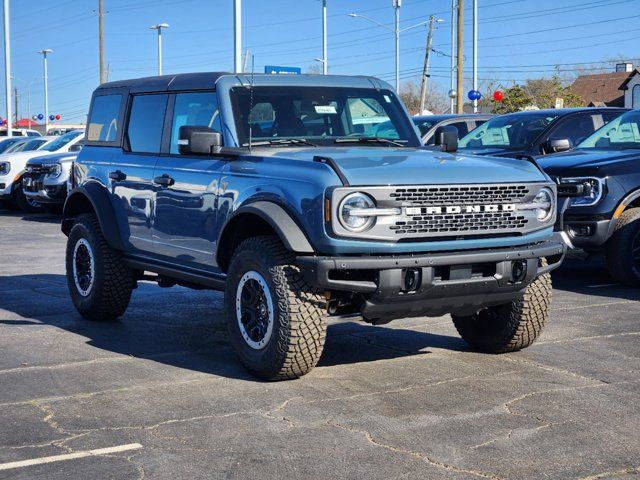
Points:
x=510 y=131
x=60 y=142
x=623 y=132
x=320 y=115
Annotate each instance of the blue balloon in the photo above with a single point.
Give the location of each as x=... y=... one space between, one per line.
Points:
x=474 y=95
x=52 y=117
x=40 y=116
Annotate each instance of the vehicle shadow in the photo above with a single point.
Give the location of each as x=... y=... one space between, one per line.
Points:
x=44 y=217
x=590 y=277
x=186 y=329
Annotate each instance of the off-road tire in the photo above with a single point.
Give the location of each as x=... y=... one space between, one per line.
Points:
x=113 y=282
x=619 y=249
x=299 y=317
x=23 y=203
x=509 y=327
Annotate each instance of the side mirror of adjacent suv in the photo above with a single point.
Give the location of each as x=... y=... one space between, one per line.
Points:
x=447 y=138
x=556 y=145
x=198 y=140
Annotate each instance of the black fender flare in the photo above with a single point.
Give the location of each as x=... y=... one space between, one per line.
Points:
x=279 y=220
x=98 y=197
x=620 y=209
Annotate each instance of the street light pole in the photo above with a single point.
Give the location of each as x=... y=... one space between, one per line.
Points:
x=325 y=66
x=396 y=5
x=460 y=58
x=101 y=39
x=475 y=53
x=159 y=28
x=453 y=53
x=44 y=53
x=7 y=67
x=237 y=38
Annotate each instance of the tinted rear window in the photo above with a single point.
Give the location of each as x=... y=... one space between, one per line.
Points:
x=105 y=117
x=146 y=122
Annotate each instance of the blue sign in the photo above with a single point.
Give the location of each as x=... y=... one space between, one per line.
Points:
x=275 y=70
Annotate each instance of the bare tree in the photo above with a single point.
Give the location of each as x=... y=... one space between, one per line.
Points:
x=437 y=101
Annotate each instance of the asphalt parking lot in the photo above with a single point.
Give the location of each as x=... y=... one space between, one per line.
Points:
x=162 y=391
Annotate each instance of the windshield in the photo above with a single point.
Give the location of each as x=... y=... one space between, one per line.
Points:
x=621 y=133
x=17 y=146
x=8 y=143
x=320 y=115
x=509 y=131
x=32 y=145
x=60 y=142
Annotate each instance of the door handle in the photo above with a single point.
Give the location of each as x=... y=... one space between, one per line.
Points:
x=118 y=176
x=165 y=180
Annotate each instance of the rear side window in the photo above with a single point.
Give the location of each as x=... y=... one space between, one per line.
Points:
x=146 y=122
x=194 y=109
x=105 y=114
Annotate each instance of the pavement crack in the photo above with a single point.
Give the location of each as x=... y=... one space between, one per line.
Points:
x=420 y=456
x=626 y=471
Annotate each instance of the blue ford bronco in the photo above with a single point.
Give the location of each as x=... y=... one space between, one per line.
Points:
x=302 y=198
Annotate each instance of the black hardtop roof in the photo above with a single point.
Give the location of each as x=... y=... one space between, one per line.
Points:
x=207 y=81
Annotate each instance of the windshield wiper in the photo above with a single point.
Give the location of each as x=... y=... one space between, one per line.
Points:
x=386 y=141
x=281 y=141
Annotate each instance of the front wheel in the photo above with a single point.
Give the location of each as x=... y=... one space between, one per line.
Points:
x=99 y=282
x=509 y=327
x=26 y=204
x=622 y=250
x=276 y=321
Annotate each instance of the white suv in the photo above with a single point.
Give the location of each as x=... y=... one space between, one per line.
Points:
x=12 y=168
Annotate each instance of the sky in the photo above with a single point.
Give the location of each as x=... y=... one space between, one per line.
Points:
x=518 y=39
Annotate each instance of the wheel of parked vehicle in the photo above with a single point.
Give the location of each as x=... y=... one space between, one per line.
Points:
x=26 y=204
x=276 y=321
x=99 y=282
x=622 y=251
x=509 y=327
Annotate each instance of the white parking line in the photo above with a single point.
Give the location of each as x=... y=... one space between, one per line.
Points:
x=70 y=456
x=602 y=286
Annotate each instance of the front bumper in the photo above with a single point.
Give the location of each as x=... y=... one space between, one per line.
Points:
x=35 y=186
x=6 y=187
x=584 y=231
x=461 y=282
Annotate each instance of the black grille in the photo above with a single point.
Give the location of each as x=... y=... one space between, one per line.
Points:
x=462 y=195
x=465 y=223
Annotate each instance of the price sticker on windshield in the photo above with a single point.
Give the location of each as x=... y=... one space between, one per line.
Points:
x=326 y=109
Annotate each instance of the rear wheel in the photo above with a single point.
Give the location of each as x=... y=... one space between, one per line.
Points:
x=276 y=321
x=25 y=203
x=509 y=327
x=622 y=250
x=99 y=282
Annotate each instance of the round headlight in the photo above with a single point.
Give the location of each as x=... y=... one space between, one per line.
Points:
x=348 y=209
x=544 y=204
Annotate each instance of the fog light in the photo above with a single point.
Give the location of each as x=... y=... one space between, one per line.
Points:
x=518 y=271
x=411 y=280
x=581 y=231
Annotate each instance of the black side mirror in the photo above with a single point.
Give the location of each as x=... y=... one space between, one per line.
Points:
x=198 y=140
x=446 y=137
x=75 y=148
x=557 y=145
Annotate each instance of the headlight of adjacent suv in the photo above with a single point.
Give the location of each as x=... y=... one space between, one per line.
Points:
x=544 y=204
x=54 y=170
x=355 y=212
x=585 y=191
x=4 y=168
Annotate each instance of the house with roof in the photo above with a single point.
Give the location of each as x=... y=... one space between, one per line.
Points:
x=616 y=89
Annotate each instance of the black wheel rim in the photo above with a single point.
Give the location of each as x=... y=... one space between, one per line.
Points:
x=635 y=249
x=254 y=310
x=83 y=267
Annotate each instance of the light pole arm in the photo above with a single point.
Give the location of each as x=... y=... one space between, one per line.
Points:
x=421 y=24
x=357 y=15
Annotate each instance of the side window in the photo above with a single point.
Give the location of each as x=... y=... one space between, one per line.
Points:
x=103 y=124
x=575 y=128
x=146 y=121
x=194 y=109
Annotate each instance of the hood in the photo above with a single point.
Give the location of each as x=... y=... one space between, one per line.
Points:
x=54 y=158
x=588 y=159
x=413 y=166
x=491 y=151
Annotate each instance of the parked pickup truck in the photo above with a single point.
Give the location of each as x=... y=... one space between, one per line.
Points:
x=46 y=179
x=599 y=183
x=266 y=187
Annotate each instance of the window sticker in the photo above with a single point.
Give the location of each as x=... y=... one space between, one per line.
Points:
x=387 y=99
x=325 y=109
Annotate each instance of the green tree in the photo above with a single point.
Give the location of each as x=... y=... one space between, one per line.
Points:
x=537 y=93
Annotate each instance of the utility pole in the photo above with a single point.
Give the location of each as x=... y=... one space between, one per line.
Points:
x=453 y=53
x=475 y=53
x=427 y=56
x=44 y=54
x=396 y=5
x=15 y=99
x=325 y=66
x=460 y=77
x=237 y=37
x=7 y=67
x=101 y=38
